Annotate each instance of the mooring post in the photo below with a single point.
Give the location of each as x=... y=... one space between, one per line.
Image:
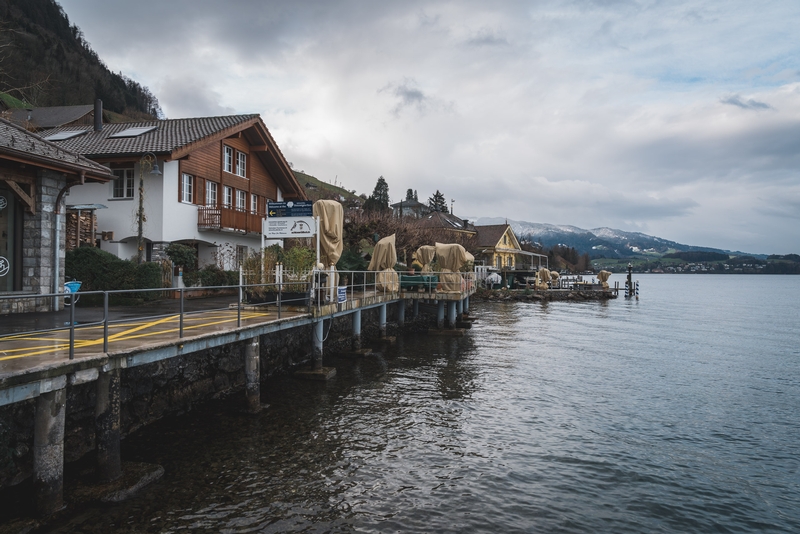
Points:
x=382 y=320
x=401 y=312
x=316 y=355
x=48 y=447
x=440 y=315
x=356 y=330
x=416 y=308
x=451 y=314
x=107 y=425
x=252 y=361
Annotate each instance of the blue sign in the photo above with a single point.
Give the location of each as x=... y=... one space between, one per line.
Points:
x=300 y=208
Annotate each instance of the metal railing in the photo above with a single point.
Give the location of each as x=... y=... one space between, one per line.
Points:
x=108 y=309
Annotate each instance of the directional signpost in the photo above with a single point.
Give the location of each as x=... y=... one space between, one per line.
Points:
x=289 y=219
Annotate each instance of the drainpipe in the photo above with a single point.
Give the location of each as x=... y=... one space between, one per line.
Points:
x=57 y=238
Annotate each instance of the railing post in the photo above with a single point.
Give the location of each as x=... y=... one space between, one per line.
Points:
x=72 y=329
x=105 y=321
x=180 y=320
x=239 y=304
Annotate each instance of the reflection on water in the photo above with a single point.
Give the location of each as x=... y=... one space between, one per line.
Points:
x=676 y=413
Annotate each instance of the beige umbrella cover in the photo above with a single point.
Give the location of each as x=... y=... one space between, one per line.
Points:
x=383 y=259
x=542 y=277
x=603 y=277
x=425 y=255
x=450 y=257
x=331 y=229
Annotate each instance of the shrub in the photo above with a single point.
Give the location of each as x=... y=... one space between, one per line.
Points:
x=102 y=271
x=182 y=256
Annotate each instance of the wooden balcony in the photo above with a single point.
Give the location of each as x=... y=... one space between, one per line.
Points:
x=228 y=219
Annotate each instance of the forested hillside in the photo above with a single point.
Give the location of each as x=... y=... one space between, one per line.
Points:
x=45 y=61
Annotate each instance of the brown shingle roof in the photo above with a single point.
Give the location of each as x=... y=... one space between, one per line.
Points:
x=168 y=136
x=21 y=145
x=490 y=235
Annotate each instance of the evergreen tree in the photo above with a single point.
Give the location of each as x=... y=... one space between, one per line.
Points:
x=415 y=195
x=437 y=202
x=410 y=194
x=379 y=199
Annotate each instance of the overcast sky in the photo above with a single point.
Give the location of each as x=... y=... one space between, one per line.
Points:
x=676 y=119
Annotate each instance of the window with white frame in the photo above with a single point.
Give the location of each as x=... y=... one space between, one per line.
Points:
x=511 y=261
x=122 y=187
x=241 y=200
x=228 y=197
x=187 y=188
x=227 y=160
x=241 y=164
x=211 y=194
x=254 y=203
x=241 y=254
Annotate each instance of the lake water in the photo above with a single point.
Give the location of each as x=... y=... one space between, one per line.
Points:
x=679 y=412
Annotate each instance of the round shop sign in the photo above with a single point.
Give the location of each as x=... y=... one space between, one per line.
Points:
x=3 y=202
x=4 y=266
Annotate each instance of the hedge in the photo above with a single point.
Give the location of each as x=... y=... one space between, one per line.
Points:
x=101 y=271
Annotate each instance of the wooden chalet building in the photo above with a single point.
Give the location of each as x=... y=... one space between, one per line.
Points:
x=216 y=176
x=498 y=247
x=35 y=175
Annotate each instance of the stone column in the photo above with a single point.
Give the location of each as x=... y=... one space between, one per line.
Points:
x=401 y=312
x=440 y=315
x=316 y=354
x=356 y=330
x=107 y=426
x=382 y=320
x=252 y=361
x=48 y=448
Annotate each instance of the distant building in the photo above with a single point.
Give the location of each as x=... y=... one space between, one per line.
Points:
x=410 y=208
x=497 y=246
x=39 y=119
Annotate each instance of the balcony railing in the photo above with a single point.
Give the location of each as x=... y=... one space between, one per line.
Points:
x=225 y=218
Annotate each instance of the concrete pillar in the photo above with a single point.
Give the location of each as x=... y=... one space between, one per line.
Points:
x=466 y=305
x=401 y=312
x=316 y=354
x=48 y=451
x=252 y=366
x=451 y=314
x=382 y=320
x=106 y=426
x=416 y=308
x=356 y=330
x=460 y=307
x=440 y=315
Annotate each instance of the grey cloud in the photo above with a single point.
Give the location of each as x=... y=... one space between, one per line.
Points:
x=736 y=100
x=188 y=97
x=487 y=38
x=408 y=96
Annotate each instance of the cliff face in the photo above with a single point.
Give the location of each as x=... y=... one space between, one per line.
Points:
x=45 y=61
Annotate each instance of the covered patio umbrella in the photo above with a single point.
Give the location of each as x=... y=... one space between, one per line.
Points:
x=331 y=230
x=425 y=255
x=450 y=258
x=603 y=277
x=383 y=259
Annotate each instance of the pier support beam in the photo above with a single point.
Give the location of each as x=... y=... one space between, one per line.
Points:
x=382 y=320
x=466 y=305
x=316 y=355
x=451 y=314
x=48 y=449
x=106 y=426
x=356 y=345
x=416 y=309
x=460 y=308
x=440 y=315
x=401 y=312
x=252 y=371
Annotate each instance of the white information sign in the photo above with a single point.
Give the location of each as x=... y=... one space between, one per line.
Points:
x=283 y=227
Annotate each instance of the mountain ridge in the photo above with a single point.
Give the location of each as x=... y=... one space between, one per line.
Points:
x=603 y=241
